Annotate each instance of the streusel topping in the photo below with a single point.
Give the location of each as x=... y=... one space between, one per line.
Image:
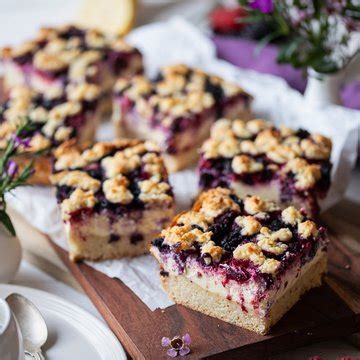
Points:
x=129 y=174
x=52 y=121
x=254 y=205
x=222 y=229
x=70 y=51
x=179 y=91
x=258 y=150
x=216 y=201
x=76 y=179
x=79 y=199
x=116 y=190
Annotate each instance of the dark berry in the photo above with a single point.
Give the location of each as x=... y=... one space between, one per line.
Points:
x=158 y=242
x=114 y=238
x=302 y=134
x=221 y=226
x=136 y=238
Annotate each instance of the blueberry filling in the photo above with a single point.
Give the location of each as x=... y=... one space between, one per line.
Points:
x=114 y=238
x=103 y=206
x=218 y=172
x=221 y=226
x=227 y=234
x=135 y=238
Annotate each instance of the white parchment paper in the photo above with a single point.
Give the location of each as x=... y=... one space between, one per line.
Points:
x=178 y=41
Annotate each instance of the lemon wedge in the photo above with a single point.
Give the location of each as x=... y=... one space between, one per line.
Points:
x=110 y=16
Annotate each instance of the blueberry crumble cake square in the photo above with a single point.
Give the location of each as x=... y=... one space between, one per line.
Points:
x=176 y=110
x=284 y=165
x=114 y=197
x=244 y=261
x=73 y=113
x=67 y=54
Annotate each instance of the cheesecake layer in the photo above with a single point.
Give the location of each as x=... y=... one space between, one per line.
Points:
x=248 y=256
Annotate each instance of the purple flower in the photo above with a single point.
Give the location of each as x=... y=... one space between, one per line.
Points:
x=265 y=6
x=12 y=168
x=18 y=141
x=178 y=345
x=335 y=6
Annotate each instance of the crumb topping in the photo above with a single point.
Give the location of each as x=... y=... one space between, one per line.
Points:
x=254 y=205
x=213 y=250
x=291 y=215
x=116 y=191
x=71 y=50
x=245 y=164
x=269 y=266
x=116 y=172
x=194 y=218
x=257 y=146
x=227 y=233
x=306 y=175
x=216 y=202
x=79 y=199
x=154 y=191
x=49 y=62
x=176 y=93
x=248 y=224
x=185 y=236
x=76 y=179
x=307 y=229
x=249 y=251
x=53 y=121
x=83 y=92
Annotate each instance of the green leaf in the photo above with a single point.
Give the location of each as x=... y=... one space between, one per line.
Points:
x=266 y=40
x=5 y=219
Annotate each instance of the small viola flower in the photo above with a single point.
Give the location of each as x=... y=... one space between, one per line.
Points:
x=18 y=141
x=265 y=6
x=179 y=346
x=12 y=168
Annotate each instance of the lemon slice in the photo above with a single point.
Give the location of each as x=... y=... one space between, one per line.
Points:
x=110 y=16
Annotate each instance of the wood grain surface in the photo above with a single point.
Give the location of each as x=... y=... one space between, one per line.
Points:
x=329 y=311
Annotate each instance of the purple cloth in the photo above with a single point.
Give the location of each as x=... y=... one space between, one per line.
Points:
x=242 y=53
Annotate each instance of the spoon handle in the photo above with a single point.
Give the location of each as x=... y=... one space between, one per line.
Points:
x=38 y=355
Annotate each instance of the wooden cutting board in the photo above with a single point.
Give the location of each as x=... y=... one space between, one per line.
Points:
x=329 y=311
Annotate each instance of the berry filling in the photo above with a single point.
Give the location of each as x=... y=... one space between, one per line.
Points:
x=104 y=206
x=227 y=234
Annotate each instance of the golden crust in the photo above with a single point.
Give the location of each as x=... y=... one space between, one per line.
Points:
x=76 y=179
x=181 y=90
x=79 y=199
x=242 y=141
x=254 y=205
x=245 y=164
x=248 y=224
x=117 y=159
x=213 y=250
x=198 y=228
x=307 y=229
x=116 y=191
x=214 y=202
x=291 y=215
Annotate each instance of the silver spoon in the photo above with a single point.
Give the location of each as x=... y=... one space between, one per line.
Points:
x=32 y=324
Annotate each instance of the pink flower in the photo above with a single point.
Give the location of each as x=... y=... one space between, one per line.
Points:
x=265 y=6
x=179 y=346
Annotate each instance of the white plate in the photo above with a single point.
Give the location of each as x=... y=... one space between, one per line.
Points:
x=73 y=332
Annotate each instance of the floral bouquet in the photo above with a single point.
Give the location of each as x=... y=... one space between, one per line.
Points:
x=317 y=32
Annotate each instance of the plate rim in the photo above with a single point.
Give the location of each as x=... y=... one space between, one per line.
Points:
x=90 y=326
